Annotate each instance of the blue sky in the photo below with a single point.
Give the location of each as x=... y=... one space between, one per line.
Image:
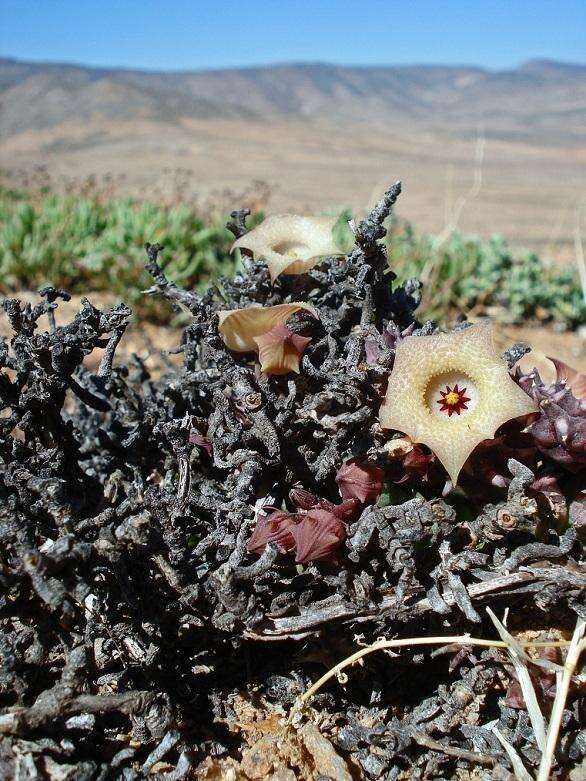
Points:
x=184 y=34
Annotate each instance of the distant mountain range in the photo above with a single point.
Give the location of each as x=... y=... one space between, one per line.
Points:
x=539 y=98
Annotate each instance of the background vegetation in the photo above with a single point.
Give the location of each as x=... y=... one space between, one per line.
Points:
x=86 y=243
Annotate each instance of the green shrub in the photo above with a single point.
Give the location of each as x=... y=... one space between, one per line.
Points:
x=84 y=244
x=485 y=276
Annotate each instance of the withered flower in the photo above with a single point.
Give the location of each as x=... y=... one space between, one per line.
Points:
x=415 y=464
x=264 y=330
x=451 y=392
x=291 y=244
x=357 y=479
x=321 y=527
x=317 y=535
x=280 y=350
x=314 y=531
x=275 y=527
x=305 y=500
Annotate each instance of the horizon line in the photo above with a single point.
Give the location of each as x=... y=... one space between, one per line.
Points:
x=293 y=63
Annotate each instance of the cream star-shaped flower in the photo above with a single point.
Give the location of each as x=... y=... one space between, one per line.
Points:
x=291 y=244
x=450 y=392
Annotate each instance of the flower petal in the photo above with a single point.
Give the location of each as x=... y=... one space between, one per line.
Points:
x=317 y=536
x=280 y=350
x=291 y=244
x=239 y=327
x=276 y=528
x=357 y=479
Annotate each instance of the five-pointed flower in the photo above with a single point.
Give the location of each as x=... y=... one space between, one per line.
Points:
x=451 y=392
x=291 y=244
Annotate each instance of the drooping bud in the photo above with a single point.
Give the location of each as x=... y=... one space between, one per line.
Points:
x=276 y=527
x=280 y=350
x=303 y=499
x=357 y=479
x=317 y=536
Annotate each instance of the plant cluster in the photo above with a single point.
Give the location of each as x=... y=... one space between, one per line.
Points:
x=487 y=277
x=84 y=240
x=81 y=243
x=157 y=531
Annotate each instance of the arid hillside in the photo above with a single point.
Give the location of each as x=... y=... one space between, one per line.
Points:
x=487 y=151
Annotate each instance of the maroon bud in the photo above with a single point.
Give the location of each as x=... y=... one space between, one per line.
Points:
x=345 y=511
x=303 y=499
x=360 y=480
x=202 y=442
x=276 y=527
x=372 y=349
x=414 y=465
x=317 y=536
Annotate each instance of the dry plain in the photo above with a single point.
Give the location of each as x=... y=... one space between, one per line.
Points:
x=531 y=192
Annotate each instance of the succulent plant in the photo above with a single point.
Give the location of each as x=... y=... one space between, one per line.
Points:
x=559 y=430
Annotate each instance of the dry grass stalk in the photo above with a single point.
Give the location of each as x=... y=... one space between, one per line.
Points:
x=577 y=645
x=383 y=645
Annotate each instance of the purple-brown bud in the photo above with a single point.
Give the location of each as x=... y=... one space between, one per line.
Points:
x=360 y=480
x=303 y=499
x=276 y=527
x=317 y=536
x=202 y=442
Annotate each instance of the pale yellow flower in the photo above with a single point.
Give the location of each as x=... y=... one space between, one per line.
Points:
x=291 y=244
x=450 y=392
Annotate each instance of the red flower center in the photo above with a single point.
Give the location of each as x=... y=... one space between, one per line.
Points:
x=453 y=400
